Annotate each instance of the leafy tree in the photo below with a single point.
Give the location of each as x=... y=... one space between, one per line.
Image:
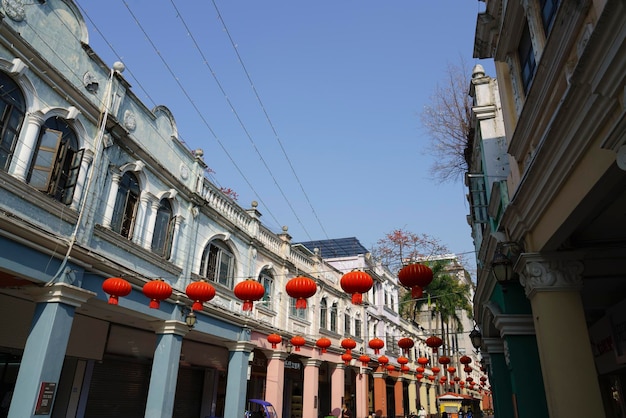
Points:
x=447 y=120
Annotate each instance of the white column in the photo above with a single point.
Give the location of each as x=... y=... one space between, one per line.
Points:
x=26 y=148
x=85 y=166
x=110 y=203
x=149 y=226
x=178 y=228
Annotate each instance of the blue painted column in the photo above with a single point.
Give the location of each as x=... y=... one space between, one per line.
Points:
x=499 y=378
x=160 y=403
x=45 y=347
x=237 y=378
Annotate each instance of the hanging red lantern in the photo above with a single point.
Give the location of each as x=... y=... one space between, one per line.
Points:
x=116 y=287
x=382 y=360
x=200 y=292
x=469 y=379
x=301 y=288
x=323 y=343
x=461 y=383
x=435 y=369
x=249 y=291
x=365 y=360
x=419 y=376
x=405 y=369
x=434 y=342
x=416 y=277
x=405 y=344
x=356 y=282
x=298 y=342
x=347 y=358
x=483 y=378
x=431 y=378
x=348 y=344
x=274 y=339
x=423 y=361
x=157 y=290
x=420 y=369
x=451 y=369
x=465 y=360
x=467 y=369
x=444 y=360
x=391 y=368
x=417 y=292
x=376 y=344
x=457 y=378
x=444 y=378
x=403 y=360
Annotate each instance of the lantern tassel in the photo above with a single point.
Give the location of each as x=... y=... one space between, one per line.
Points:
x=197 y=306
x=357 y=298
x=154 y=304
x=113 y=299
x=301 y=303
x=247 y=305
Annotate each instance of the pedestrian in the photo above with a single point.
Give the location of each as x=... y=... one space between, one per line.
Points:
x=469 y=414
x=421 y=413
x=345 y=412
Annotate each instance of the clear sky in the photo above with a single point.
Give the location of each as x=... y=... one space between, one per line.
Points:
x=320 y=124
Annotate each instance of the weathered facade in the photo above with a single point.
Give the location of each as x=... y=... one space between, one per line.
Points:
x=93 y=184
x=553 y=327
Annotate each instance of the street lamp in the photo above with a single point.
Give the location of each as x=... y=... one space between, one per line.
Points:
x=477 y=338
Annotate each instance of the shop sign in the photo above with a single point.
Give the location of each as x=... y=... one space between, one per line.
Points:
x=44 y=400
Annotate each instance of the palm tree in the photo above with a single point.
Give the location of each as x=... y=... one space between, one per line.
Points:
x=445 y=297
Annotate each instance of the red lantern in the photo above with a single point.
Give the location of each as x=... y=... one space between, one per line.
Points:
x=443 y=378
x=200 y=292
x=431 y=378
x=415 y=275
x=391 y=368
x=420 y=369
x=365 y=360
x=457 y=378
x=423 y=361
x=403 y=360
x=434 y=342
x=461 y=383
x=348 y=344
x=417 y=292
x=419 y=376
x=465 y=360
x=469 y=379
x=405 y=369
x=346 y=357
x=435 y=369
x=405 y=344
x=298 y=342
x=249 y=291
x=356 y=283
x=467 y=369
x=157 y=290
x=382 y=360
x=274 y=339
x=451 y=369
x=116 y=287
x=323 y=343
x=376 y=344
x=483 y=378
x=301 y=288
x=444 y=360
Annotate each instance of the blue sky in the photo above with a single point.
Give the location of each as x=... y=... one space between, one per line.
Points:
x=341 y=86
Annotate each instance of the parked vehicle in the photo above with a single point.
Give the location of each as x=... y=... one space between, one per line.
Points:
x=258 y=408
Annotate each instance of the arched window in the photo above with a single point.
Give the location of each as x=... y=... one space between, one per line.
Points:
x=125 y=205
x=217 y=263
x=163 y=229
x=333 y=317
x=266 y=278
x=56 y=163
x=323 y=314
x=12 y=111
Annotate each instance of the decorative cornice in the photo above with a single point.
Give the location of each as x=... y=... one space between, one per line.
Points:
x=172 y=327
x=493 y=345
x=62 y=293
x=549 y=273
x=514 y=325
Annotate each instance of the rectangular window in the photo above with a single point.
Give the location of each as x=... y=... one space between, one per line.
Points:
x=298 y=313
x=346 y=319
x=526 y=59
x=357 y=328
x=548 y=11
x=478 y=198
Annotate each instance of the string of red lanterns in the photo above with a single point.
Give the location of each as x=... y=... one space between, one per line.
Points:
x=356 y=282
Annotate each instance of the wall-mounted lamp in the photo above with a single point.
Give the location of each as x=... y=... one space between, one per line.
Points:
x=477 y=338
x=502 y=264
x=288 y=347
x=189 y=316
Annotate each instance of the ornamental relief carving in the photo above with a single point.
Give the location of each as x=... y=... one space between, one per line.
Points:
x=551 y=275
x=14 y=9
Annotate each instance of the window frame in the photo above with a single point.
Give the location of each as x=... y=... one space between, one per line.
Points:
x=333 y=317
x=295 y=312
x=323 y=314
x=527 y=58
x=12 y=104
x=266 y=278
x=126 y=205
x=217 y=249
x=163 y=233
